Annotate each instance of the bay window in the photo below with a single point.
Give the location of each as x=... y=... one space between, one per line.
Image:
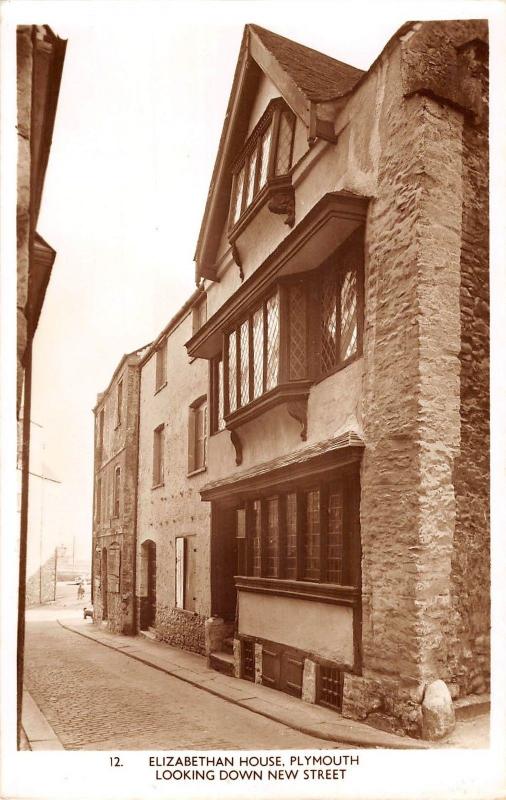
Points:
x=265 y=159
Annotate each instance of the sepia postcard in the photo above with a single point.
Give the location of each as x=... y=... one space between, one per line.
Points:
x=249 y=487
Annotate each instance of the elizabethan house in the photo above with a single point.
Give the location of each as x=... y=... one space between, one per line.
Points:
x=312 y=488
x=343 y=252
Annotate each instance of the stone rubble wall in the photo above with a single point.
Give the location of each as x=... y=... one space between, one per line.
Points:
x=181 y=628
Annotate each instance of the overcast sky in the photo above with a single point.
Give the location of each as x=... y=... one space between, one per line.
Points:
x=141 y=108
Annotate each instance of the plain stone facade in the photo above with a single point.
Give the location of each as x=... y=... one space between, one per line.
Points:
x=169 y=505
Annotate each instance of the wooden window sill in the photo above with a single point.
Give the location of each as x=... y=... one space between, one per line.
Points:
x=159 y=388
x=302 y=590
x=158 y=485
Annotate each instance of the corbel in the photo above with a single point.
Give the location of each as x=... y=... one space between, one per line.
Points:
x=237 y=258
x=282 y=201
x=298 y=410
x=236 y=441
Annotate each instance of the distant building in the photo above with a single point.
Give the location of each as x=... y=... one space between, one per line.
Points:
x=115 y=489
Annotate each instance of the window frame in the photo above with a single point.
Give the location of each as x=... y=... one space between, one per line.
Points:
x=116 y=492
x=198 y=406
x=161 y=366
x=119 y=402
x=158 y=465
x=350 y=254
x=255 y=560
x=252 y=152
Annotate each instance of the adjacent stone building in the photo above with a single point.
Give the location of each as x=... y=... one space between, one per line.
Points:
x=173 y=583
x=114 y=497
x=312 y=502
x=39 y=65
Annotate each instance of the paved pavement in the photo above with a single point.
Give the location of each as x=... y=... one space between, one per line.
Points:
x=140 y=694
x=96 y=698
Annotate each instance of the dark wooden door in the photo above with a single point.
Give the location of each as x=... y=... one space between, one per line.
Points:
x=151 y=598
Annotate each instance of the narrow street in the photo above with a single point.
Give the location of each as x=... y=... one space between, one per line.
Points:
x=98 y=699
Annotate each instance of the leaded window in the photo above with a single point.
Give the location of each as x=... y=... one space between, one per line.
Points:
x=267 y=154
x=253 y=355
x=272 y=544
x=339 y=310
x=312 y=536
x=306 y=534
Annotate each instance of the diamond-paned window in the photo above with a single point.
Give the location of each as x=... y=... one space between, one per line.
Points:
x=232 y=372
x=258 y=352
x=328 y=322
x=297 y=349
x=244 y=373
x=285 y=141
x=272 y=309
x=219 y=388
x=254 y=166
x=238 y=195
x=348 y=315
x=264 y=156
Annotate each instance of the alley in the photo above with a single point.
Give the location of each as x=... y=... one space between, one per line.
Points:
x=98 y=699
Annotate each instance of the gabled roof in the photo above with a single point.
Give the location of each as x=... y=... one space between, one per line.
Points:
x=317 y=75
x=305 y=78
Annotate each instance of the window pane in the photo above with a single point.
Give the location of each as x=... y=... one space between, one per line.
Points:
x=297 y=301
x=272 y=538
x=250 y=178
x=232 y=372
x=329 y=322
x=312 y=537
x=272 y=341
x=258 y=352
x=238 y=195
x=219 y=390
x=264 y=156
x=284 y=151
x=200 y=436
x=335 y=535
x=257 y=536
x=291 y=535
x=244 y=332
x=348 y=315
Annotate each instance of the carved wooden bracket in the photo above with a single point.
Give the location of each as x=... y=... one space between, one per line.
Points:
x=237 y=258
x=283 y=202
x=236 y=441
x=298 y=410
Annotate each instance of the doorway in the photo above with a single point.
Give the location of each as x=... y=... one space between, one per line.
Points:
x=103 y=582
x=148 y=602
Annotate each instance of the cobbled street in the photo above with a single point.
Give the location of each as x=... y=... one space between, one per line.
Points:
x=98 y=699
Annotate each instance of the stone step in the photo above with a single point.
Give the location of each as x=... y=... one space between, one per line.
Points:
x=222 y=662
x=148 y=633
x=228 y=645
x=474 y=705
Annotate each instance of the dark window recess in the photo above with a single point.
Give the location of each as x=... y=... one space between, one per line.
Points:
x=330 y=687
x=272 y=548
x=248 y=660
